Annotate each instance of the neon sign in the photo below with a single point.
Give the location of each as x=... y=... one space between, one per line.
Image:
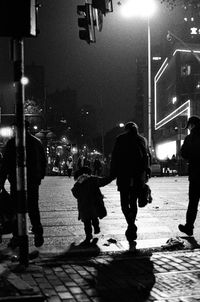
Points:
x=165 y=103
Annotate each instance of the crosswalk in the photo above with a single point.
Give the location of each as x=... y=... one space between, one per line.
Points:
x=151 y=232
x=155 y=225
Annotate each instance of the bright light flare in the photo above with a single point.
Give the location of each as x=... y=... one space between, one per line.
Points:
x=135 y=8
x=166 y=150
x=6 y=132
x=24 y=81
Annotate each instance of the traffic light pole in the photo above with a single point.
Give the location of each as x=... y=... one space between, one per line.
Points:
x=20 y=137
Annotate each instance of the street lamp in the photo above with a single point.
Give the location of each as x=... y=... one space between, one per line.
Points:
x=143 y=8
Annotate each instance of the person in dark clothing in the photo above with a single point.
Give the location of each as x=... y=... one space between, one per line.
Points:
x=97 y=166
x=130 y=166
x=90 y=199
x=36 y=166
x=190 y=151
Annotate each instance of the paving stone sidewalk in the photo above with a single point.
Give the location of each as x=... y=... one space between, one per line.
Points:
x=93 y=276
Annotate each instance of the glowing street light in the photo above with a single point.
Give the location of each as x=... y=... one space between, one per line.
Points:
x=24 y=81
x=143 y=8
x=121 y=125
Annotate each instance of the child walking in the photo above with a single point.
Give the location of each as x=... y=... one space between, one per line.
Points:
x=90 y=200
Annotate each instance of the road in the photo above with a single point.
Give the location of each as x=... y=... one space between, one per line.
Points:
x=156 y=223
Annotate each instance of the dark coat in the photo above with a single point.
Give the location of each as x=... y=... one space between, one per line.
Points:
x=129 y=159
x=190 y=151
x=89 y=197
x=35 y=161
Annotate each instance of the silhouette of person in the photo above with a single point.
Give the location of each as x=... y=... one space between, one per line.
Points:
x=97 y=166
x=190 y=151
x=36 y=166
x=90 y=199
x=130 y=166
x=69 y=164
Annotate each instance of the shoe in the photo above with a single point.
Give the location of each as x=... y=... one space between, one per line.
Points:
x=185 y=229
x=132 y=246
x=131 y=233
x=38 y=240
x=88 y=238
x=97 y=230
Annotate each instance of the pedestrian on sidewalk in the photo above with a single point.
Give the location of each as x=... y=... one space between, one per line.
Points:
x=190 y=151
x=36 y=167
x=69 y=164
x=130 y=162
x=90 y=199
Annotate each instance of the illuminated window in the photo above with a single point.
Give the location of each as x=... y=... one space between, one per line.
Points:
x=185 y=70
x=198 y=85
x=174 y=100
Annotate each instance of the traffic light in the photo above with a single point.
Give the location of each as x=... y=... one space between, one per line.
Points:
x=18 y=18
x=86 y=22
x=105 y=6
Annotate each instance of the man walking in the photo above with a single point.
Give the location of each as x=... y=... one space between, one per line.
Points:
x=190 y=151
x=36 y=165
x=130 y=165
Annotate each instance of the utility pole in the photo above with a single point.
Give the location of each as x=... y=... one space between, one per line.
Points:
x=20 y=137
x=17 y=21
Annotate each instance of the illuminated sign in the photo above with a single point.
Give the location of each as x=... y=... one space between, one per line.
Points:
x=195 y=31
x=171 y=100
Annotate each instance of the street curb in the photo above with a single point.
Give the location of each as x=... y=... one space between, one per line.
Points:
x=49 y=257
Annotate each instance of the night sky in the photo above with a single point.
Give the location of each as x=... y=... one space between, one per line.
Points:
x=101 y=72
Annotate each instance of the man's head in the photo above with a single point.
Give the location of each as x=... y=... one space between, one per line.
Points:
x=131 y=127
x=193 y=121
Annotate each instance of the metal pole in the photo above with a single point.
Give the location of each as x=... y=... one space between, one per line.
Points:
x=149 y=86
x=102 y=127
x=21 y=181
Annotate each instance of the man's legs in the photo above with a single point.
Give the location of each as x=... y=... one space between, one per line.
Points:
x=129 y=209
x=194 y=195
x=95 y=223
x=34 y=213
x=88 y=229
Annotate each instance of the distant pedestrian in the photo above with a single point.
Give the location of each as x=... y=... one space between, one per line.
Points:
x=69 y=164
x=36 y=166
x=90 y=200
x=97 y=166
x=80 y=162
x=190 y=151
x=130 y=165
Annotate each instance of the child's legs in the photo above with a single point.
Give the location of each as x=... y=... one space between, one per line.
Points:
x=88 y=228
x=95 y=223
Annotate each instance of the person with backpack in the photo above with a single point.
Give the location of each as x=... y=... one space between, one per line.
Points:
x=130 y=163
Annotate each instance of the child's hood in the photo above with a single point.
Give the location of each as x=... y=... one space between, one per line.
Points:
x=82 y=178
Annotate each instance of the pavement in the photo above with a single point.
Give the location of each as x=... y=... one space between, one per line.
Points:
x=94 y=275
x=157 y=269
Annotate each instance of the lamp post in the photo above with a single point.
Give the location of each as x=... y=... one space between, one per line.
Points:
x=144 y=8
x=149 y=85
